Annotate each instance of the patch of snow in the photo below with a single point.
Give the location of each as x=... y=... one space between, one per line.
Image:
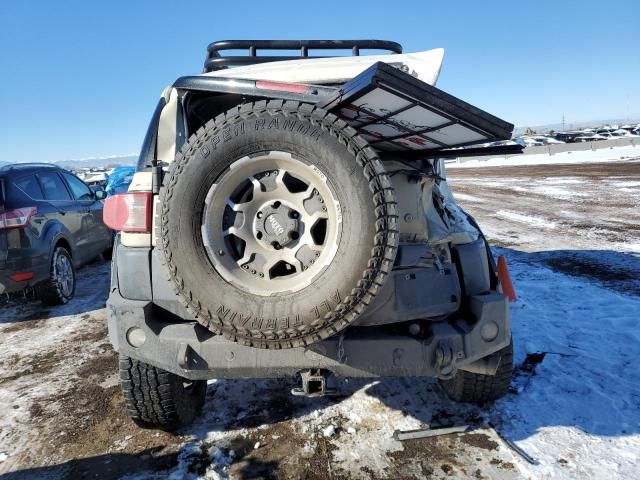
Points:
x=629 y=184
x=613 y=154
x=517 y=217
x=563 y=180
x=467 y=198
x=556 y=192
x=329 y=431
x=579 y=414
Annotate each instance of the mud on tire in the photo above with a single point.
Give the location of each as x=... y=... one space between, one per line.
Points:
x=477 y=388
x=159 y=399
x=235 y=283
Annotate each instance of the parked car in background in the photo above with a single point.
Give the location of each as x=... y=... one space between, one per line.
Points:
x=590 y=138
x=622 y=133
x=567 y=137
x=547 y=140
x=98 y=178
x=607 y=135
x=528 y=142
x=50 y=224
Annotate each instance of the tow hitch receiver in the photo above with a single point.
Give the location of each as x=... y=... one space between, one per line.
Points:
x=313 y=383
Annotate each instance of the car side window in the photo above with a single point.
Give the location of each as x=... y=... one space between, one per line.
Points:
x=29 y=185
x=80 y=189
x=53 y=186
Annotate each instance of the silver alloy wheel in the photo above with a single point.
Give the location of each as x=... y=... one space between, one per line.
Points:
x=63 y=275
x=271 y=223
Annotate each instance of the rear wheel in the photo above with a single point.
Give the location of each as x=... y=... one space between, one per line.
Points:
x=60 y=287
x=156 y=398
x=477 y=388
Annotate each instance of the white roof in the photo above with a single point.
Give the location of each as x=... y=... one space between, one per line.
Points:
x=423 y=65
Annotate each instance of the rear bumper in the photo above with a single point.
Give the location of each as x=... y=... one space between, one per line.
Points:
x=21 y=264
x=189 y=350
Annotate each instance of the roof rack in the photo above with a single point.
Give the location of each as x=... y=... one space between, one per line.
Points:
x=215 y=61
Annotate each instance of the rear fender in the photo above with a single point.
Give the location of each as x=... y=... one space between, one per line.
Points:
x=55 y=232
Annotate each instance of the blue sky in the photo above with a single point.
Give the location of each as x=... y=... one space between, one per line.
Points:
x=80 y=79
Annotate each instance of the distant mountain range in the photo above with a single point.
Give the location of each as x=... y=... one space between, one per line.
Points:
x=95 y=161
x=99 y=161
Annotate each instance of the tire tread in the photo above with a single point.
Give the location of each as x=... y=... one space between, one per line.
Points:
x=151 y=397
x=383 y=250
x=471 y=387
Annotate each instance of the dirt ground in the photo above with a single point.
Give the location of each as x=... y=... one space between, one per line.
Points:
x=540 y=207
x=62 y=414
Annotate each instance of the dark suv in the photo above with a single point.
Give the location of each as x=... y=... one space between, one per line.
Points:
x=50 y=224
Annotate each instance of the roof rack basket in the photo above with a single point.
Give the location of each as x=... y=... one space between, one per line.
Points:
x=215 y=61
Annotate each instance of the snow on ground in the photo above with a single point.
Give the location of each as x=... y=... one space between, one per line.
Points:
x=579 y=415
x=575 y=404
x=611 y=154
x=562 y=205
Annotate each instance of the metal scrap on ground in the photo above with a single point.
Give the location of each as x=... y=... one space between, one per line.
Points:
x=428 y=432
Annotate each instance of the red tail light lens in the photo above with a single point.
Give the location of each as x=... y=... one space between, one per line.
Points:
x=282 y=86
x=17 y=218
x=129 y=212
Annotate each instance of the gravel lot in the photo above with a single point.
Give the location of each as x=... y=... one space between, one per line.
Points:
x=564 y=230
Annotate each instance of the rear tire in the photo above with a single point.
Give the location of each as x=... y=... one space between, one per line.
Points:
x=477 y=388
x=156 y=398
x=60 y=287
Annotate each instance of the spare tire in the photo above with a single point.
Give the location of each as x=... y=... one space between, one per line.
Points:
x=279 y=224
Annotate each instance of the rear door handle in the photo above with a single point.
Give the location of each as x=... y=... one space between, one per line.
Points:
x=62 y=212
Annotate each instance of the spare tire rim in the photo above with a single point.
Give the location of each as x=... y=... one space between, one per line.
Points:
x=271 y=223
x=63 y=275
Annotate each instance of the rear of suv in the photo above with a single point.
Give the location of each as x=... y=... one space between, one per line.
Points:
x=50 y=224
x=278 y=229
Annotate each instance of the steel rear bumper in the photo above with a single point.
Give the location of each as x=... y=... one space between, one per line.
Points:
x=191 y=351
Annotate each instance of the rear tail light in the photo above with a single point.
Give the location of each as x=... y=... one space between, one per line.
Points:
x=282 y=86
x=129 y=212
x=17 y=218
